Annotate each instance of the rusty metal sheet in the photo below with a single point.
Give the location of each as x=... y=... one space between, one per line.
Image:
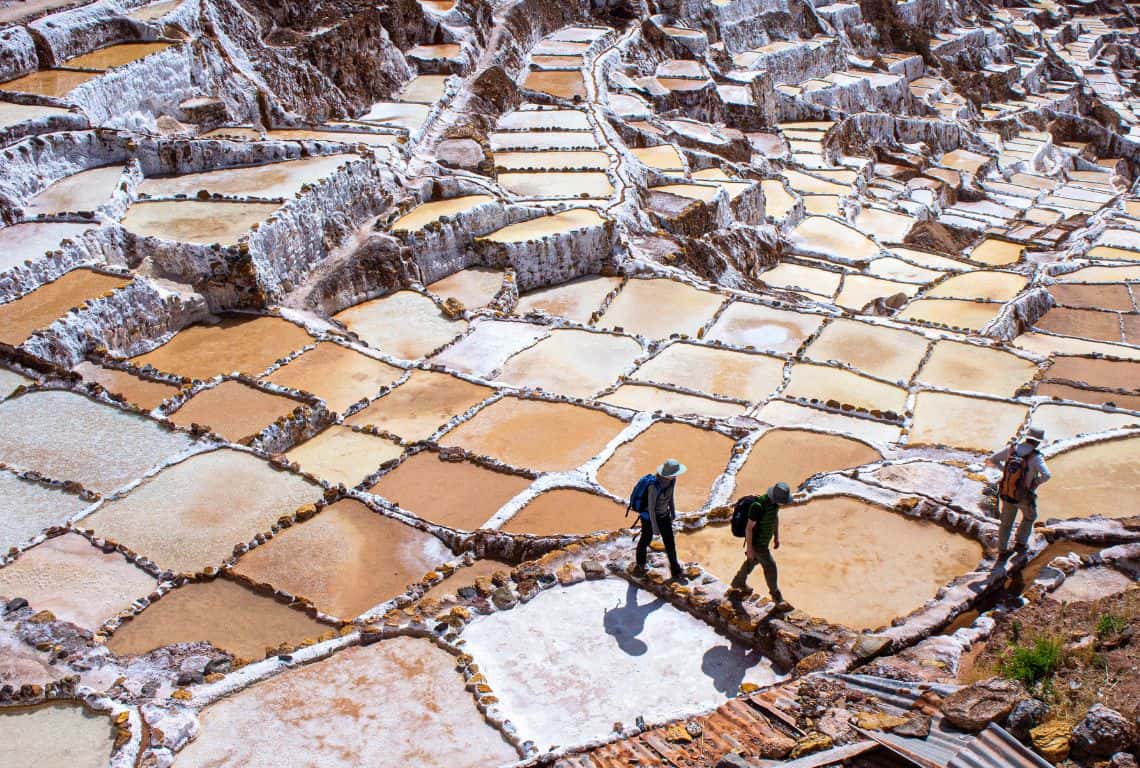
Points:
x=828 y=756
x=996 y=748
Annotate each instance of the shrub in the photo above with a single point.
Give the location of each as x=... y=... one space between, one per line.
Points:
x=1033 y=664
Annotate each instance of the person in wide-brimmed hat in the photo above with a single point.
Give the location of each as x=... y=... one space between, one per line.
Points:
x=764 y=529
x=1023 y=472
x=657 y=517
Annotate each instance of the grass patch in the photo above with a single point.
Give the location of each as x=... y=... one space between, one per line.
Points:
x=1033 y=664
x=1110 y=624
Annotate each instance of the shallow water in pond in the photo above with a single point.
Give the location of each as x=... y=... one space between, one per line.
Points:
x=55 y=735
x=115 y=55
x=37 y=310
x=347 y=559
x=549 y=184
x=859 y=542
x=341 y=456
x=488 y=345
x=400 y=115
x=771 y=330
x=234 y=410
x=664 y=157
x=29 y=242
x=83 y=191
x=993 y=286
x=545 y=119
x=272 y=180
x=422 y=215
x=141 y=392
x=404 y=324
x=1115 y=296
x=576 y=300
x=459 y=495
x=545 y=226
x=793 y=455
x=245 y=343
x=543 y=139
x=646 y=398
x=338 y=375
x=1098 y=479
x=28 y=508
x=969 y=423
x=421 y=405
x=195 y=221
x=824 y=383
x=49 y=82
x=568 y=511
x=659 y=307
x=884 y=352
x=798 y=277
x=723 y=372
x=973 y=368
x=349 y=137
x=571 y=362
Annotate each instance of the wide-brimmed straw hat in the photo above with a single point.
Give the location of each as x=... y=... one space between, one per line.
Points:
x=780 y=493
x=1035 y=435
x=672 y=468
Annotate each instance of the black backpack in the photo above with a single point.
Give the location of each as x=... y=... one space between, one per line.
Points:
x=740 y=515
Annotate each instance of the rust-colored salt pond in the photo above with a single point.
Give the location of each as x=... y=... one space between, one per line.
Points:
x=1085 y=323
x=568 y=511
x=794 y=455
x=859 y=544
x=459 y=495
x=421 y=405
x=49 y=82
x=141 y=392
x=1114 y=296
x=1090 y=396
x=341 y=456
x=1097 y=479
x=222 y=612
x=1113 y=374
x=115 y=55
x=974 y=368
x=969 y=423
x=55 y=736
x=42 y=307
x=562 y=84
x=483 y=568
x=539 y=435
x=234 y=410
x=337 y=375
x=243 y=343
x=77 y=582
x=704 y=452
x=201 y=222
x=347 y=559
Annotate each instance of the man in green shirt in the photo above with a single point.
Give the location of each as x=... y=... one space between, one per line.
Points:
x=764 y=527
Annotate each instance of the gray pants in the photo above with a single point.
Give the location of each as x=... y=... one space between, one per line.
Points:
x=1009 y=510
x=763 y=558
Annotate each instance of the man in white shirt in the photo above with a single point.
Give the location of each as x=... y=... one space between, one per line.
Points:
x=1018 y=490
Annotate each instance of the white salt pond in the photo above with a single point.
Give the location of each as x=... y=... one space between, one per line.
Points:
x=404 y=324
x=489 y=344
x=83 y=191
x=765 y=328
x=28 y=508
x=270 y=181
x=640 y=397
x=29 y=242
x=55 y=736
x=553 y=662
x=571 y=362
x=196 y=221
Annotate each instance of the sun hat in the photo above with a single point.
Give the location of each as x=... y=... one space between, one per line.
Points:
x=780 y=493
x=1035 y=435
x=672 y=468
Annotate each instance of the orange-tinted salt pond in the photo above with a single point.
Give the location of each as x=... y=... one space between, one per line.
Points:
x=532 y=434
x=341 y=456
x=456 y=494
x=422 y=215
x=1097 y=479
x=49 y=82
x=952 y=312
x=337 y=375
x=155 y=11
x=571 y=362
x=405 y=324
x=55 y=735
x=42 y=307
x=115 y=55
x=196 y=221
x=558 y=83
x=755 y=325
x=1114 y=297
x=474 y=286
x=1085 y=323
x=546 y=226
x=1114 y=374
x=141 y=392
x=272 y=180
x=704 y=452
x=29 y=242
x=234 y=410
x=421 y=405
x=222 y=612
x=83 y=191
x=974 y=368
x=568 y=511
x=739 y=375
x=77 y=582
x=213 y=500
x=659 y=307
x=794 y=455
x=389 y=704
x=347 y=559
x=640 y=397
x=997 y=253
x=884 y=352
x=576 y=300
x=970 y=423
x=859 y=544
x=243 y=343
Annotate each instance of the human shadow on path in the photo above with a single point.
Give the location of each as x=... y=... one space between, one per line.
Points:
x=726 y=665
x=625 y=622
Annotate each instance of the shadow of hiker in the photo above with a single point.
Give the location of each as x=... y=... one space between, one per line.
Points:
x=625 y=622
x=726 y=665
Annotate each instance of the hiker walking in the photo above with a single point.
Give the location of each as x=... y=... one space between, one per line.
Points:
x=1023 y=472
x=762 y=514
x=652 y=499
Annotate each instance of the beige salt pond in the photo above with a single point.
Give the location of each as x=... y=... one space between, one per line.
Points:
x=859 y=543
x=13 y=114
x=793 y=455
x=28 y=508
x=473 y=287
x=83 y=191
x=244 y=343
x=31 y=241
x=458 y=495
x=538 y=435
x=547 y=226
x=567 y=511
x=543 y=140
x=553 y=184
x=146 y=394
x=410 y=117
x=561 y=84
x=825 y=383
x=821 y=236
x=664 y=157
x=576 y=300
x=337 y=375
x=888 y=353
x=992 y=286
x=329 y=714
x=354 y=559
x=37 y=310
x=781 y=413
x=221 y=612
x=214 y=500
x=1097 y=479
x=739 y=375
x=155 y=11
x=791 y=276
x=196 y=221
x=765 y=328
x=234 y=410
x=997 y=253
x=426 y=213
x=405 y=324
x=424 y=89
x=587 y=160
x=270 y=181
x=1062 y=422
x=55 y=735
x=659 y=307
x=340 y=455
x=55 y=83
x=955 y=313
x=860 y=290
x=571 y=362
x=420 y=406
x=973 y=368
x=74 y=580
x=969 y=423
x=639 y=397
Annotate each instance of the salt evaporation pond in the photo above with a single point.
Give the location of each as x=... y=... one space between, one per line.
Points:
x=234 y=410
x=144 y=393
x=739 y=375
x=1096 y=479
x=238 y=343
x=572 y=363
x=115 y=55
x=793 y=455
x=336 y=374
x=342 y=456
x=200 y=222
x=405 y=324
x=547 y=226
x=576 y=300
x=83 y=191
x=271 y=181
x=31 y=241
x=14 y=114
x=421 y=405
x=641 y=397
x=974 y=368
x=824 y=383
x=765 y=328
x=657 y=308
x=28 y=508
x=488 y=345
x=568 y=511
x=473 y=287
x=970 y=423
x=1091 y=584
x=887 y=353
x=55 y=735
x=49 y=82
x=37 y=310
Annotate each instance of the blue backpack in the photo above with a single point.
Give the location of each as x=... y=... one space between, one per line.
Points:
x=639 y=498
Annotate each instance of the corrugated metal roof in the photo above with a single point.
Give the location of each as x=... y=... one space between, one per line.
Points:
x=995 y=747
x=948 y=748
x=896 y=693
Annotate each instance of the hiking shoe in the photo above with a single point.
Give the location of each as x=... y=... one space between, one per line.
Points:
x=740 y=592
x=679 y=578
x=782 y=606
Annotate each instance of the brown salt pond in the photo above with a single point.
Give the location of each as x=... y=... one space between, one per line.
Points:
x=704 y=452
x=83 y=191
x=576 y=300
x=77 y=582
x=1114 y=297
x=234 y=410
x=974 y=368
x=571 y=362
x=969 y=423
x=55 y=735
x=37 y=310
x=859 y=544
x=765 y=328
x=272 y=180
x=538 y=435
x=640 y=397
x=884 y=352
x=1097 y=479
x=337 y=375
x=970 y=315
x=1059 y=548
x=239 y=343
x=459 y=495
x=474 y=286
x=28 y=508
x=547 y=226
x=346 y=560
x=221 y=612
x=550 y=184
x=1085 y=323
x=420 y=406
x=147 y=395
x=29 y=242
x=568 y=511
x=115 y=55
x=740 y=375
x=196 y=221
x=56 y=83
x=341 y=456
x=104 y=449
x=405 y=324
x=330 y=714
x=1114 y=374
x=793 y=455
x=1090 y=396
x=213 y=500
x=823 y=383
x=558 y=83
x=659 y=307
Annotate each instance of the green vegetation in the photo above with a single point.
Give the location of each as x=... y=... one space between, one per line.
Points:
x=1035 y=663
x=1110 y=624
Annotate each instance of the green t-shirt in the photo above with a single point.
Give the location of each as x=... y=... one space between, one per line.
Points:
x=765 y=513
